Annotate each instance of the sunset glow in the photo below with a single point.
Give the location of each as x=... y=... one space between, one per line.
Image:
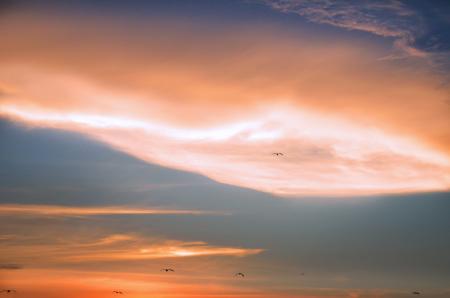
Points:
x=229 y=153
x=76 y=211
x=226 y=148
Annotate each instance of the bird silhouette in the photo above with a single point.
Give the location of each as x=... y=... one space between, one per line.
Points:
x=240 y=274
x=8 y=291
x=167 y=270
x=416 y=293
x=118 y=292
x=278 y=154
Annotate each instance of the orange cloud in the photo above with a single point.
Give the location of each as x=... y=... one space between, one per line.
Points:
x=51 y=210
x=112 y=248
x=171 y=249
x=221 y=106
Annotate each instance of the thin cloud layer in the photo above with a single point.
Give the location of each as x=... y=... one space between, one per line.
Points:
x=387 y=18
x=112 y=248
x=50 y=210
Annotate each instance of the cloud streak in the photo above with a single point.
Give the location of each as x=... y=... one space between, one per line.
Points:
x=170 y=249
x=114 y=248
x=51 y=210
x=397 y=20
x=387 y=18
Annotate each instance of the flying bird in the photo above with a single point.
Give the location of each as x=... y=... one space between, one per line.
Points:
x=8 y=291
x=278 y=154
x=167 y=270
x=240 y=274
x=10 y=266
x=416 y=293
x=118 y=292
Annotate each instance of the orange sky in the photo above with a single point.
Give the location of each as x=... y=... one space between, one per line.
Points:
x=71 y=284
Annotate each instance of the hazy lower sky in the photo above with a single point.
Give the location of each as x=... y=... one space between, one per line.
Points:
x=139 y=135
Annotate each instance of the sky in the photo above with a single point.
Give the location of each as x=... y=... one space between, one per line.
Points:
x=139 y=135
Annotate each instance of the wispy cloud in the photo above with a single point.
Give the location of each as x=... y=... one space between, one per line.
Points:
x=169 y=249
x=115 y=248
x=387 y=18
x=52 y=210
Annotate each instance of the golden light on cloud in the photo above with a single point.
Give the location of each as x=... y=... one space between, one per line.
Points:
x=343 y=129
x=322 y=155
x=52 y=210
x=115 y=248
x=202 y=249
x=164 y=250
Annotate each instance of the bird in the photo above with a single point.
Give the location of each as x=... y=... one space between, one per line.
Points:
x=240 y=274
x=167 y=270
x=118 y=292
x=416 y=293
x=8 y=291
x=278 y=154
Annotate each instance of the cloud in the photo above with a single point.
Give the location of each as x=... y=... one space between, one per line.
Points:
x=85 y=248
x=322 y=155
x=386 y=18
x=169 y=249
x=389 y=18
x=51 y=210
x=221 y=106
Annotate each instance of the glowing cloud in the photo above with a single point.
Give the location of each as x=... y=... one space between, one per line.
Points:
x=343 y=129
x=115 y=248
x=322 y=155
x=171 y=249
x=51 y=210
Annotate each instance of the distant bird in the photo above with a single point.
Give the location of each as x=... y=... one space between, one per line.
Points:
x=303 y=273
x=240 y=274
x=167 y=270
x=8 y=291
x=278 y=154
x=416 y=293
x=118 y=292
x=10 y=266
